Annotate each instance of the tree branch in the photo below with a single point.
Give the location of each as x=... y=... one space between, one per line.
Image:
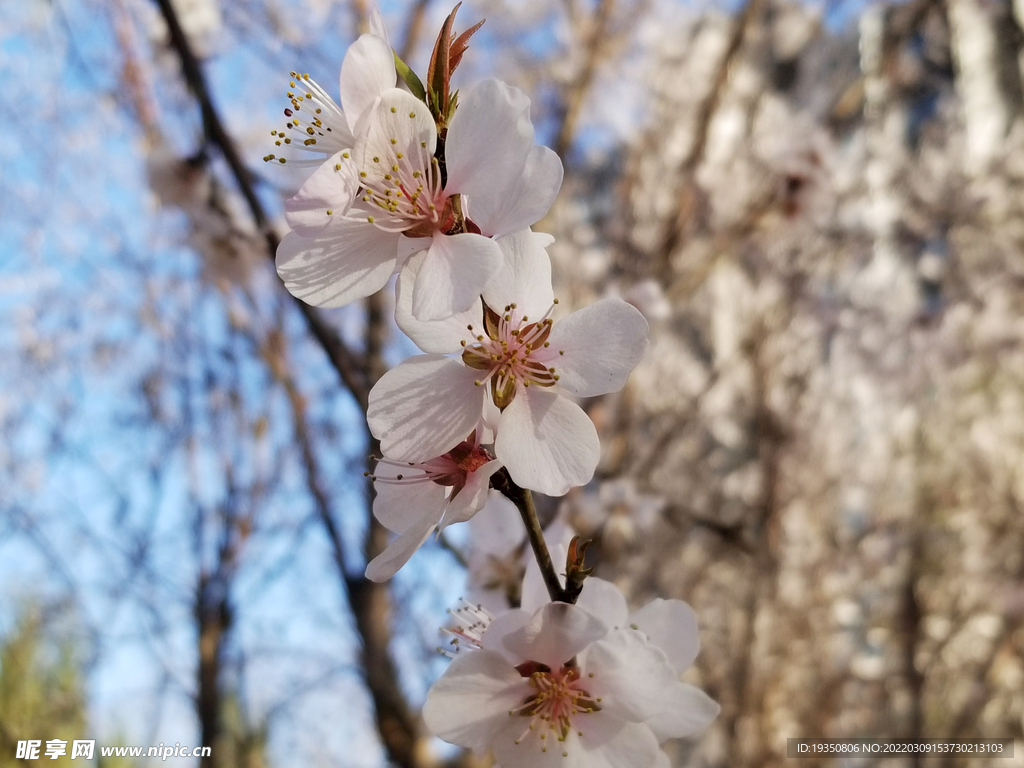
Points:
x=523 y=499
x=341 y=358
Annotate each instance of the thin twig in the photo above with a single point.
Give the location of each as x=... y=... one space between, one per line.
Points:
x=342 y=359
x=523 y=500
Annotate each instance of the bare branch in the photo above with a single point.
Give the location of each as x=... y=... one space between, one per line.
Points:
x=342 y=359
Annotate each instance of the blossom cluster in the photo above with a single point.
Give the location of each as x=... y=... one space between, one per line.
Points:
x=588 y=684
x=441 y=190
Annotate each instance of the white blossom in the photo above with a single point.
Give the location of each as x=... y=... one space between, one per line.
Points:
x=559 y=688
x=414 y=499
x=364 y=212
x=514 y=358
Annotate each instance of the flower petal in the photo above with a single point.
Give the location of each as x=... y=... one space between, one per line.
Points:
x=489 y=139
x=633 y=677
x=497 y=529
x=547 y=443
x=472 y=497
x=672 y=626
x=631 y=745
x=349 y=261
x=367 y=70
x=500 y=627
x=555 y=634
x=424 y=407
x=398 y=506
x=602 y=344
x=386 y=564
x=440 y=336
x=525 y=275
x=377 y=26
x=408 y=246
x=523 y=200
x=688 y=711
x=604 y=601
x=453 y=274
x=471 y=701
x=324 y=198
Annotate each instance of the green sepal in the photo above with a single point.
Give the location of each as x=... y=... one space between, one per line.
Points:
x=453 y=104
x=409 y=77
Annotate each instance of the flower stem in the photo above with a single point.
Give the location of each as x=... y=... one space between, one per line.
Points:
x=523 y=500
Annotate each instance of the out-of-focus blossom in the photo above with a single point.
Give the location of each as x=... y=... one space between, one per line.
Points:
x=617 y=510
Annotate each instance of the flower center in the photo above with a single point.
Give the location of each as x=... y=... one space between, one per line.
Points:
x=450 y=470
x=403 y=182
x=560 y=696
x=512 y=351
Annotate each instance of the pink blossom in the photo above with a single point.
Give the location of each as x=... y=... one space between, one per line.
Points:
x=414 y=499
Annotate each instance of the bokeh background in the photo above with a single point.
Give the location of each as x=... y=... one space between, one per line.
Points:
x=818 y=206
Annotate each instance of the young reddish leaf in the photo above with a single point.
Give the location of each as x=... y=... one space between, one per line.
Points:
x=438 y=72
x=458 y=47
x=447 y=55
x=575 y=568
